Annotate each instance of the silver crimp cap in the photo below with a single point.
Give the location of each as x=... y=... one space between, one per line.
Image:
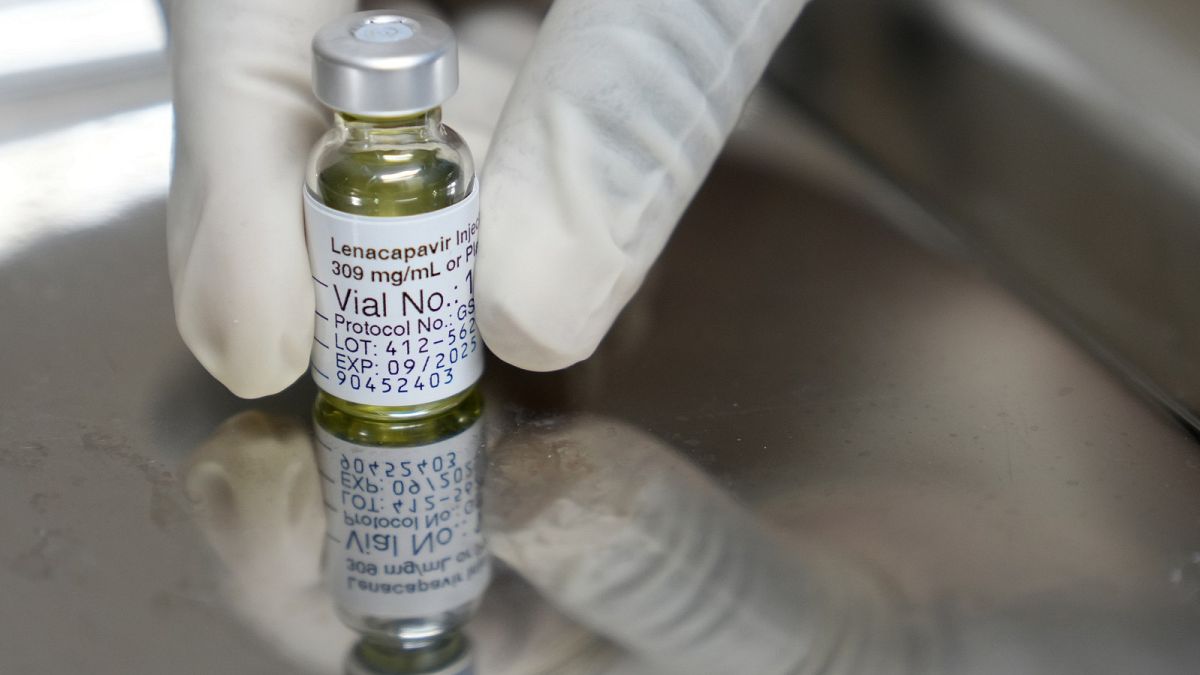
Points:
x=384 y=64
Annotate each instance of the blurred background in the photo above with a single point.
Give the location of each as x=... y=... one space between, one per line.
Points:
x=85 y=103
x=954 y=388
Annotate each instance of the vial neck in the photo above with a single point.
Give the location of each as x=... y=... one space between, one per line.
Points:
x=359 y=126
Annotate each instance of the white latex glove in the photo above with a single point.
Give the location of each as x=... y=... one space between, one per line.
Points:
x=615 y=119
x=245 y=120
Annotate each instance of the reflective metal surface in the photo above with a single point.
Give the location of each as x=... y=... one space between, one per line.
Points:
x=1059 y=138
x=863 y=399
x=809 y=446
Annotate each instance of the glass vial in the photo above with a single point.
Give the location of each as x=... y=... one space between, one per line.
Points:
x=392 y=217
x=451 y=656
x=405 y=559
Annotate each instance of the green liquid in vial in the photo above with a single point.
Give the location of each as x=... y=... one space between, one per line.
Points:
x=388 y=168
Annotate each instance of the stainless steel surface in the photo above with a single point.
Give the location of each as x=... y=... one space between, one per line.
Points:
x=1059 y=139
x=383 y=64
x=864 y=396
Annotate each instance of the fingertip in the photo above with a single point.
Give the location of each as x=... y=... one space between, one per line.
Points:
x=548 y=286
x=237 y=360
x=519 y=341
x=252 y=335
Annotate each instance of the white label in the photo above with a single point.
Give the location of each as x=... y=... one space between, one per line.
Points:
x=395 y=322
x=404 y=534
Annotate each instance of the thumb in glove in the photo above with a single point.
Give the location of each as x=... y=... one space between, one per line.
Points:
x=609 y=131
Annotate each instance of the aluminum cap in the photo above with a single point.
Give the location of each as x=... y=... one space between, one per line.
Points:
x=384 y=64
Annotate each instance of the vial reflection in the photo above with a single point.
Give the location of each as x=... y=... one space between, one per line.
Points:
x=450 y=654
x=404 y=556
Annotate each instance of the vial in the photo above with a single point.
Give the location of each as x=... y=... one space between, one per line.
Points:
x=391 y=217
x=405 y=559
x=451 y=656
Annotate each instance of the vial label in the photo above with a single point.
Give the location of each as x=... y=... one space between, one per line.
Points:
x=395 y=314
x=404 y=539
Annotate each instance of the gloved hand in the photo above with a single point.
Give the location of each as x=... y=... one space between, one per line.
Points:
x=610 y=128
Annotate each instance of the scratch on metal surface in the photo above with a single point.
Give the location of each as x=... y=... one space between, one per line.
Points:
x=165 y=509
x=27 y=455
x=41 y=560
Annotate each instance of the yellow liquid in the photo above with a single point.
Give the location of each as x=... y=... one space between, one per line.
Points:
x=410 y=175
x=384 y=659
